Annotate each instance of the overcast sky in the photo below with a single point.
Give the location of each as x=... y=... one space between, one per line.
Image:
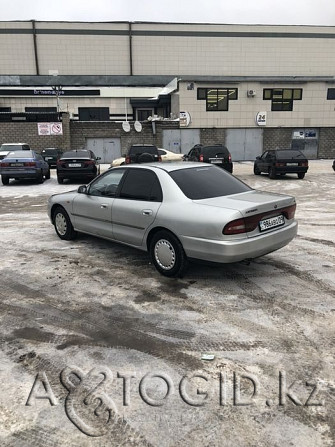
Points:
x=273 y=12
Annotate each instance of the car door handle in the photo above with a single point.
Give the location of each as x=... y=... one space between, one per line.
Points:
x=103 y=205
x=147 y=212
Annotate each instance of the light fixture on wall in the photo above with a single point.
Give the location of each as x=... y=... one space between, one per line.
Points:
x=190 y=86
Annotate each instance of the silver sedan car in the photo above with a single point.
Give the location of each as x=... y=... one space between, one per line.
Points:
x=177 y=213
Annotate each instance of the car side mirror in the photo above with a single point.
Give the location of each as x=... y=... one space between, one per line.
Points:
x=98 y=158
x=82 y=189
x=258 y=158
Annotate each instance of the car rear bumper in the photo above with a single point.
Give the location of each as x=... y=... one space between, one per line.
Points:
x=238 y=249
x=290 y=169
x=20 y=173
x=76 y=174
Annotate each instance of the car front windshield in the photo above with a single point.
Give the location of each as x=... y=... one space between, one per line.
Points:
x=206 y=182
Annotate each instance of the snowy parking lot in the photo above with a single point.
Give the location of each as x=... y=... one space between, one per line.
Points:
x=98 y=349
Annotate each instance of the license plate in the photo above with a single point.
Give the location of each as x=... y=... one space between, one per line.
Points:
x=216 y=161
x=74 y=165
x=17 y=164
x=48 y=158
x=272 y=222
x=291 y=164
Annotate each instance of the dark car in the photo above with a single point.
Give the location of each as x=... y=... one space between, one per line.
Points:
x=78 y=165
x=142 y=153
x=51 y=155
x=24 y=165
x=281 y=162
x=216 y=154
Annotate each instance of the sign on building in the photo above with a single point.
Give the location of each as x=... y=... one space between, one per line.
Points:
x=50 y=128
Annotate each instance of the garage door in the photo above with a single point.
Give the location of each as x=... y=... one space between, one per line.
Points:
x=244 y=144
x=180 y=140
x=106 y=148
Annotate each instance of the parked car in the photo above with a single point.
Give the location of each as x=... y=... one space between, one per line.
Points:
x=216 y=154
x=78 y=165
x=177 y=212
x=281 y=161
x=24 y=165
x=142 y=153
x=51 y=155
x=5 y=148
x=165 y=155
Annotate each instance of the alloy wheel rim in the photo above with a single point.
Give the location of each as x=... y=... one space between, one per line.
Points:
x=61 y=225
x=165 y=254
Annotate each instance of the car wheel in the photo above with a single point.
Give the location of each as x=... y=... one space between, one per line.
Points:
x=167 y=254
x=257 y=171
x=47 y=175
x=40 y=177
x=301 y=175
x=145 y=158
x=60 y=180
x=272 y=173
x=63 y=225
x=5 y=179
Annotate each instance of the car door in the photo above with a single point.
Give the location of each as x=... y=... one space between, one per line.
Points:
x=92 y=212
x=261 y=163
x=134 y=211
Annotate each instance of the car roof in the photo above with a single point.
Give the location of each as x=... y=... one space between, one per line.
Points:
x=168 y=167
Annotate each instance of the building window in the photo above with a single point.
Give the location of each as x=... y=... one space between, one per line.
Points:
x=282 y=98
x=217 y=99
x=93 y=113
x=331 y=93
x=143 y=114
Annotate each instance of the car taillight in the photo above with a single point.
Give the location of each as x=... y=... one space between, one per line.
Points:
x=280 y=164
x=30 y=163
x=248 y=224
x=159 y=158
x=229 y=158
x=201 y=158
x=127 y=160
x=289 y=211
x=303 y=163
x=89 y=162
x=60 y=163
x=4 y=165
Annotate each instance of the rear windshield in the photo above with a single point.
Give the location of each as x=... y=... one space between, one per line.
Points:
x=289 y=154
x=211 y=151
x=20 y=154
x=50 y=151
x=76 y=154
x=13 y=147
x=206 y=182
x=134 y=150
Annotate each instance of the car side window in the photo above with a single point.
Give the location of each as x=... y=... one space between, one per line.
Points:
x=161 y=152
x=264 y=155
x=107 y=185
x=141 y=184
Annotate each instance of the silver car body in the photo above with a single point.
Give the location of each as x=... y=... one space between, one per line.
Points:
x=198 y=224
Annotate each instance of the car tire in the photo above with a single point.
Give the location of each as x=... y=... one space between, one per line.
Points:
x=272 y=173
x=40 y=178
x=47 y=175
x=301 y=175
x=60 y=180
x=257 y=171
x=5 y=179
x=145 y=158
x=63 y=225
x=167 y=254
